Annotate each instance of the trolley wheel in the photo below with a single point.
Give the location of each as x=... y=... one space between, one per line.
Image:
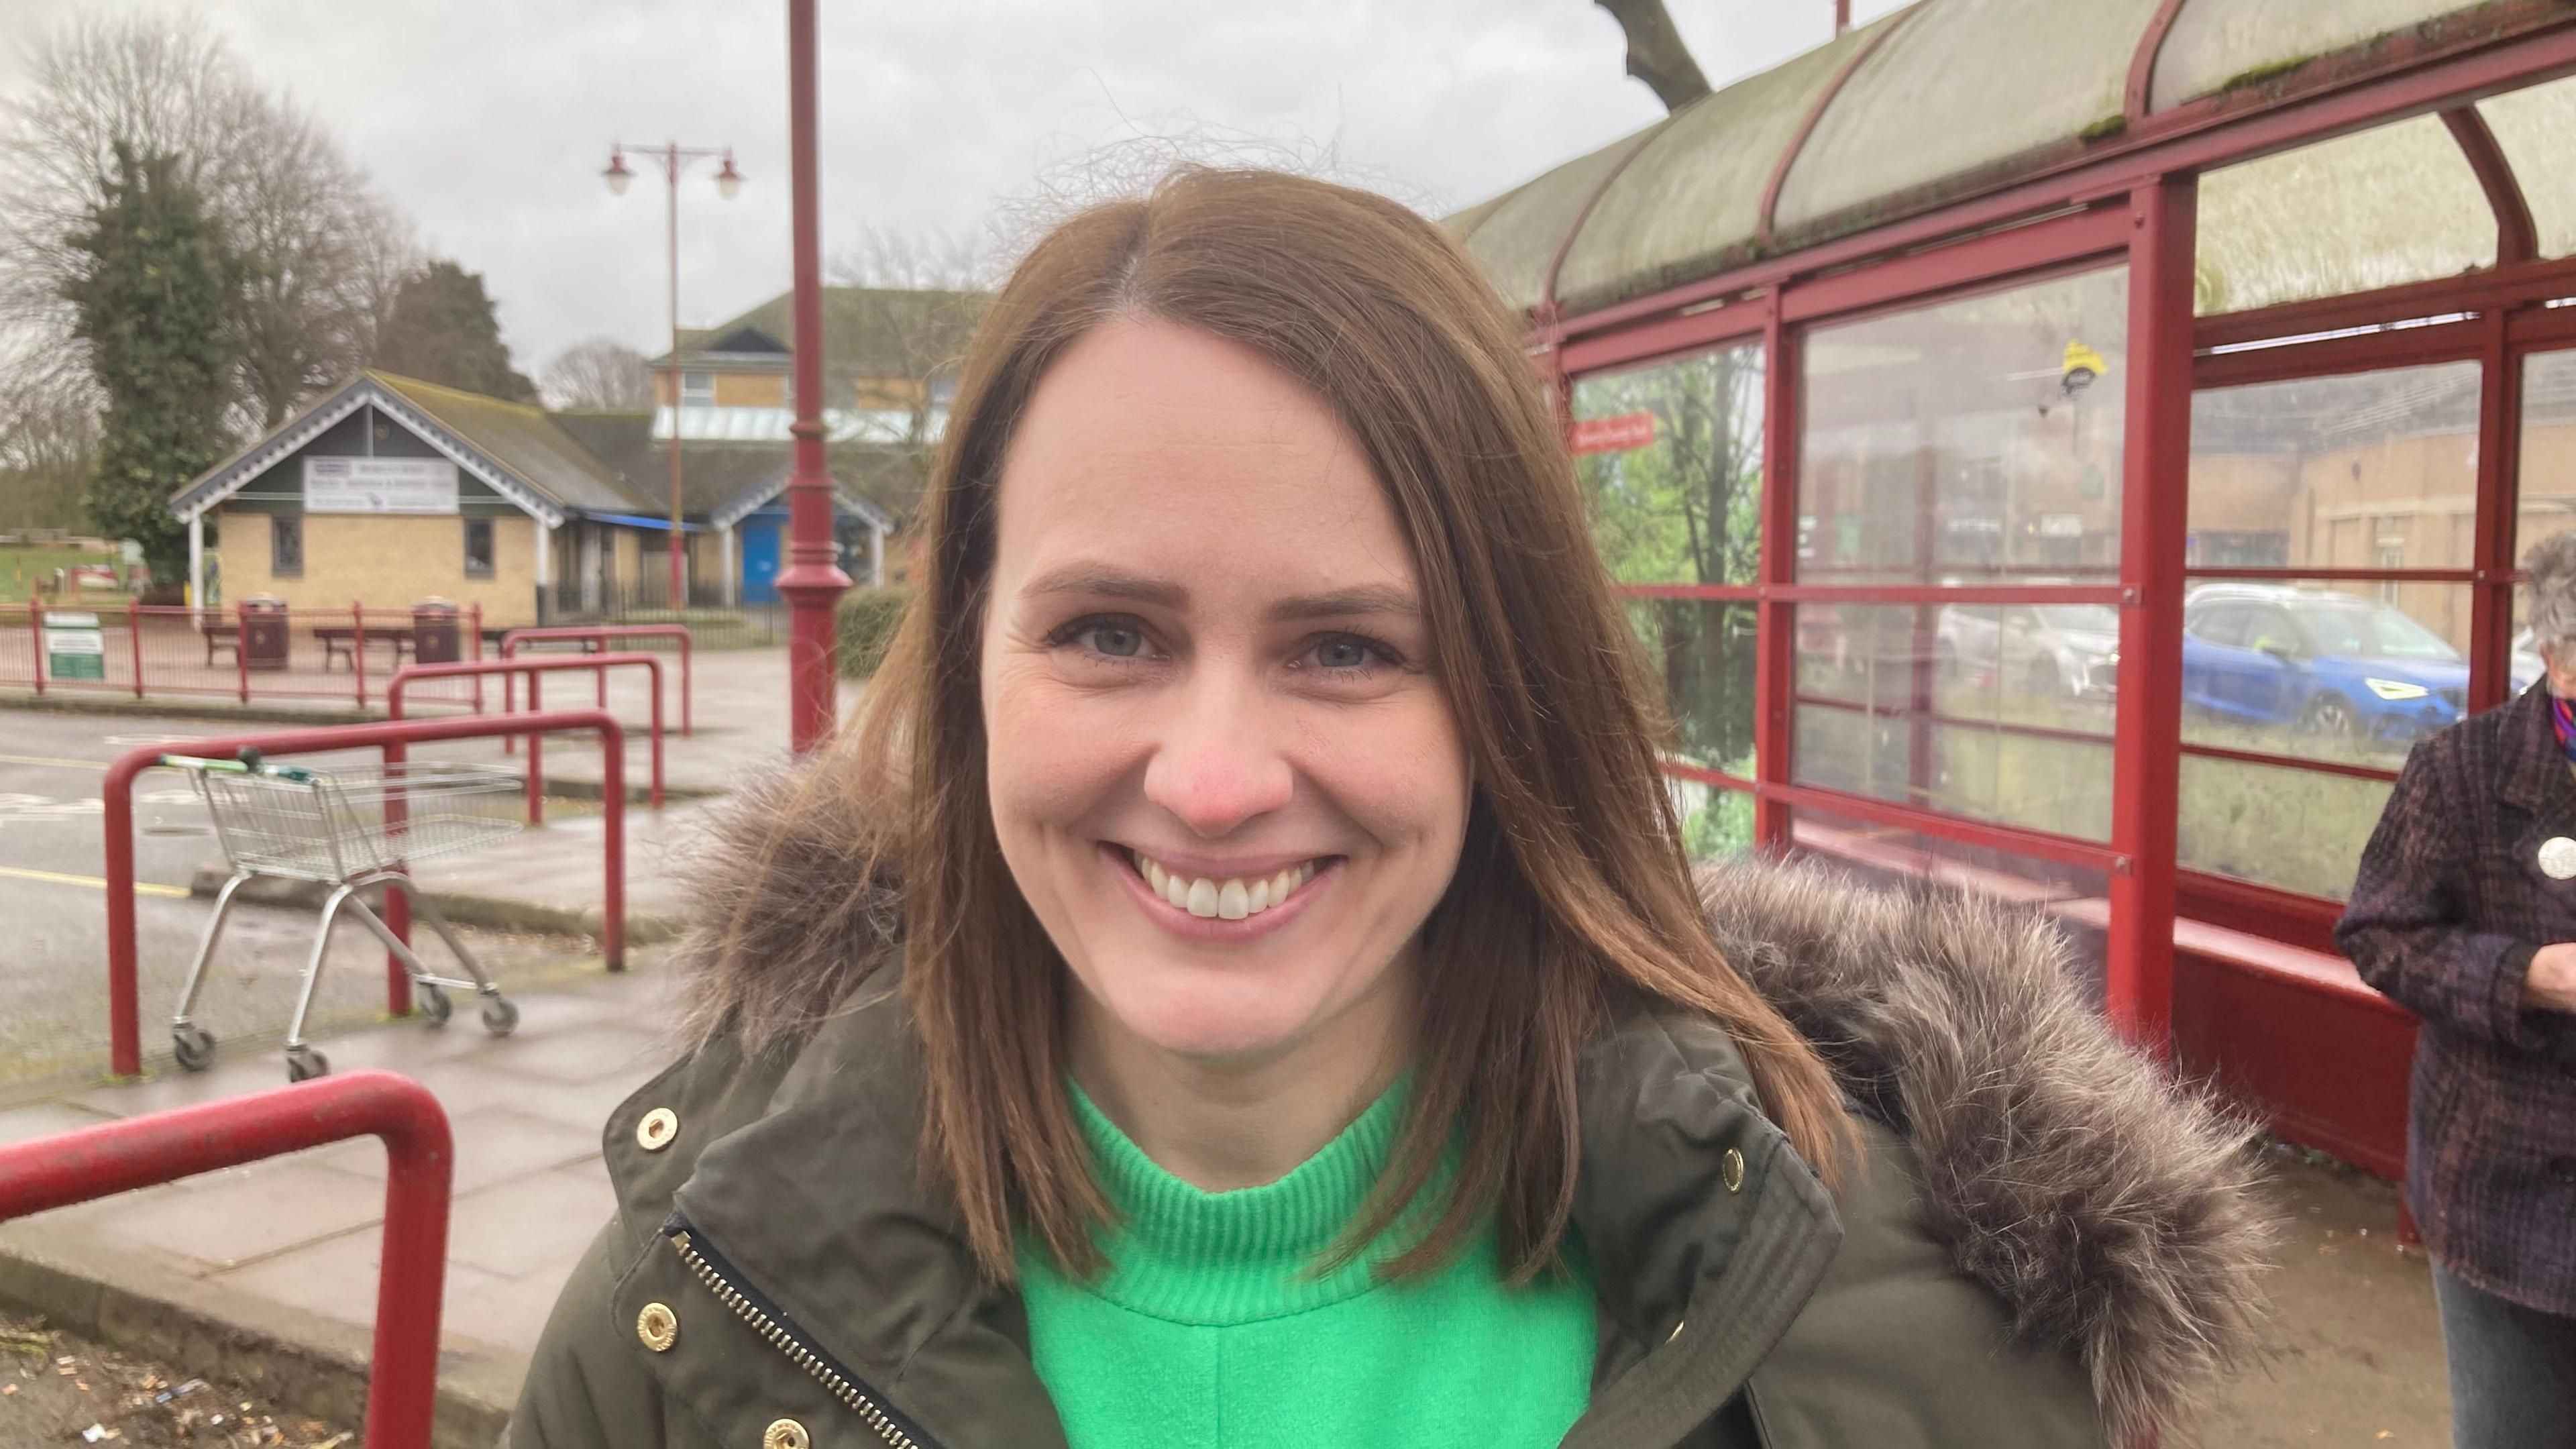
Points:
x=435 y=1008
x=500 y=1015
x=303 y=1064
x=194 y=1045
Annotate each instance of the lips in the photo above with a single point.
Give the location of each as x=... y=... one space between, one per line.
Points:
x=1230 y=897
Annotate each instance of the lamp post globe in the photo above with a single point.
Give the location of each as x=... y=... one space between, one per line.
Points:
x=617 y=175
x=728 y=180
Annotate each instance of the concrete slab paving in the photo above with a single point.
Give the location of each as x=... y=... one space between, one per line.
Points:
x=284 y=1252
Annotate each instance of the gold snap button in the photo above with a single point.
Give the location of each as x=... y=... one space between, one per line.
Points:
x=1678 y=1325
x=1731 y=1167
x=657 y=1129
x=658 y=1327
x=784 y=1434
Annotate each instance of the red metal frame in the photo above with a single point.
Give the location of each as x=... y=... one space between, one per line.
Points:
x=601 y=634
x=510 y=670
x=420 y=1168
x=2517 y=240
x=116 y=792
x=2139 y=93
x=2154 y=525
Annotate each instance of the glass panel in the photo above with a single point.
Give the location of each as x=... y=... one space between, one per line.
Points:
x=2548 y=472
x=2374 y=470
x=2394 y=204
x=2536 y=127
x=1715 y=821
x=2278 y=825
x=2345 y=671
x=1975 y=440
x=1991 y=712
x=2077 y=897
x=1670 y=462
x=1703 y=651
x=1911 y=116
x=2213 y=46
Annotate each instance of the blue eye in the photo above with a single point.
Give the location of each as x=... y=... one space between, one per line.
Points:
x=1342 y=653
x=1118 y=641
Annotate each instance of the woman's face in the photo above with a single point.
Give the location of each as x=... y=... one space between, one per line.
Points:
x=1221 y=765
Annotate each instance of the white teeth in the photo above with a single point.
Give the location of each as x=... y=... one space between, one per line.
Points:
x=1232 y=899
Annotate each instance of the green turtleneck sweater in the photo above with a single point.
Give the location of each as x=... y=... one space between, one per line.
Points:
x=1208 y=1332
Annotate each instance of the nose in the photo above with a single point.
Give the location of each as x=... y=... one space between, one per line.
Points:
x=1216 y=765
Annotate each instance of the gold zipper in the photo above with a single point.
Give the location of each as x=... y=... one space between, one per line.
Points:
x=777 y=1336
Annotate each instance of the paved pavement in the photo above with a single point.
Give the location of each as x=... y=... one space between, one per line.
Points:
x=531 y=888
x=287 y=1249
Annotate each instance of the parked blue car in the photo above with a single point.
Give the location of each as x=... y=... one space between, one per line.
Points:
x=2337 y=667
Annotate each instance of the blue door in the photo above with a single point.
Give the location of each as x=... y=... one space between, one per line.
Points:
x=760 y=561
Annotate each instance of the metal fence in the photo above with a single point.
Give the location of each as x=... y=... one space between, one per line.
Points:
x=243 y=651
x=648 y=601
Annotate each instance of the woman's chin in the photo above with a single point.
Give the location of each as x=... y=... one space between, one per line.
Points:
x=1216 y=1026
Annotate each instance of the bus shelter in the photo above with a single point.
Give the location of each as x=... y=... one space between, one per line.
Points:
x=2073 y=451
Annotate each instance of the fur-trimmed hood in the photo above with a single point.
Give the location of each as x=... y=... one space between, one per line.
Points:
x=2115 y=1213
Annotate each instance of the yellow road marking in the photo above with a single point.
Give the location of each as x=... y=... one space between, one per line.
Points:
x=141 y=888
x=50 y=760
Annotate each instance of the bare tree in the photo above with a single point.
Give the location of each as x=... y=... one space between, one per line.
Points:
x=1656 y=53
x=601 y=373
x=326 y=252
x=909 y=303
x=48 y=445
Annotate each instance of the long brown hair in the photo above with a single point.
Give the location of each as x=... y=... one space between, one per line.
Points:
x=1572 y=891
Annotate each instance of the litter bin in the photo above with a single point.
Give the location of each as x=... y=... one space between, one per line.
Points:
x=434 y=633
x=263 y=630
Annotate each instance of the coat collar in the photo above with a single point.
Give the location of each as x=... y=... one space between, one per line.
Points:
x=2531 y=769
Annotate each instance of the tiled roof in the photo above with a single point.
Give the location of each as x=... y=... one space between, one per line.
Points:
x=527 y=441
x=874 y=331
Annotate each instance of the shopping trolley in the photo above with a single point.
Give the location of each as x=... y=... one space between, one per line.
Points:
x=348 y=829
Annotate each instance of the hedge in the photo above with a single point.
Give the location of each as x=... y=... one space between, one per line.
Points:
x=867 y=621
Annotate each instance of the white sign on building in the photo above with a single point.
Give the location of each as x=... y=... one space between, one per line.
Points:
x=379 y=485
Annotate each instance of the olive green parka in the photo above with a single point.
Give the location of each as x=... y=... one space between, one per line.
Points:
x=2045 y=1246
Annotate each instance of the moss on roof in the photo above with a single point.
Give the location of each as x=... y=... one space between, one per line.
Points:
x=524 y=439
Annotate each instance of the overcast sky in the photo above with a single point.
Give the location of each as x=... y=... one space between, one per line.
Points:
x=487 y=122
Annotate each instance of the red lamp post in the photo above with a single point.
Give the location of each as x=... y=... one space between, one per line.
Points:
x=813 y=581
x=673 y=157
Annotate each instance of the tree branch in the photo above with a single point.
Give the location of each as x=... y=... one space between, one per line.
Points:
x=1656 y=54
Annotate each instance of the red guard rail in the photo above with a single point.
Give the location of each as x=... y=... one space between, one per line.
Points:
x=510 y=669
x=588 y=635
x=116 y=791
x=420 y=1164
x=149 y=651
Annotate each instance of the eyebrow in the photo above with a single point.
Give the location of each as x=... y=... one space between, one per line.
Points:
x=1105 y=581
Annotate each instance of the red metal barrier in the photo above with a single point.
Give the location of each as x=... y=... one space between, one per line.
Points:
x=117 y=809
x=150 y=650
x=420 y=1165
x=510 y=669
x=600 y=634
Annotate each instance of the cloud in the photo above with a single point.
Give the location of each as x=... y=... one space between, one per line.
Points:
x=488 y=121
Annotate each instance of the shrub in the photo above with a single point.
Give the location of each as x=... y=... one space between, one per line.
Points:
x=867 y=623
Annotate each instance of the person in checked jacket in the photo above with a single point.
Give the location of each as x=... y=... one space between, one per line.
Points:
x=2465 y=913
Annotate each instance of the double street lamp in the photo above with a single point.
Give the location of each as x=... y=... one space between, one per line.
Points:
x=674 y=158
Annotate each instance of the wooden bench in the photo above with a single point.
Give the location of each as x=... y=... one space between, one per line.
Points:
x=340 y=639
x=221 y=636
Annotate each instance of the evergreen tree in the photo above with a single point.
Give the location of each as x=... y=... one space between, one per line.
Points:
x=158 y=302
x=444 y=330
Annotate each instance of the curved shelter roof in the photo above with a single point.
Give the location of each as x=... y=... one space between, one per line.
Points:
x=1949 y=98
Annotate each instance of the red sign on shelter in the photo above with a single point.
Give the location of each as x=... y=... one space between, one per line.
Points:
x=1621 y=434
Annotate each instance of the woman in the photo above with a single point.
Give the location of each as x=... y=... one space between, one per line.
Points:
x=1239 y=982
x=2465 y=913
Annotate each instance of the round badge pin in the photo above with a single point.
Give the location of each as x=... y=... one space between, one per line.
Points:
x=2558 y=857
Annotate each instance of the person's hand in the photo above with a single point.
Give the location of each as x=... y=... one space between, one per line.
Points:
x=2551 y=984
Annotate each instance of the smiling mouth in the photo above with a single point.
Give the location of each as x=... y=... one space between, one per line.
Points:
x=1231 y=899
